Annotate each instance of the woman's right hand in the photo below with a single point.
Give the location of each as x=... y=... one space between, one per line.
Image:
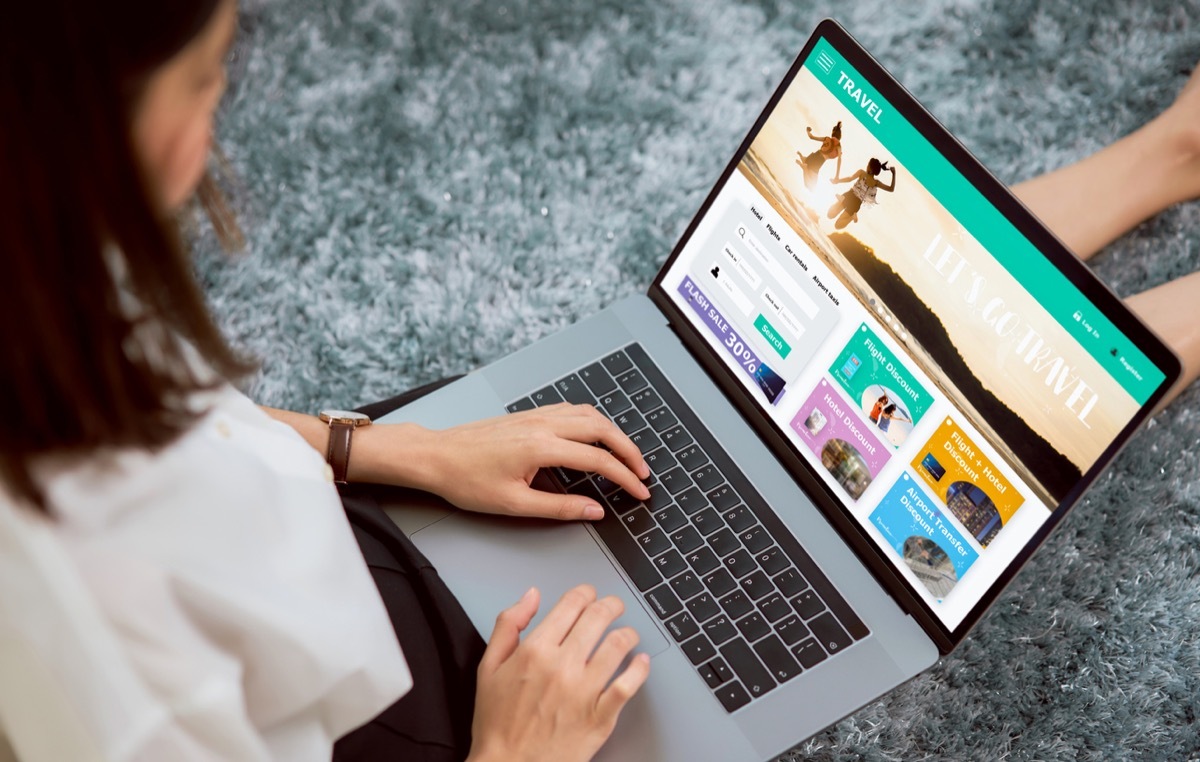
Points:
x=544 y=698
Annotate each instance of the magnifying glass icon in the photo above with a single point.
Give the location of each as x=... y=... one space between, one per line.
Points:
x=741 y=232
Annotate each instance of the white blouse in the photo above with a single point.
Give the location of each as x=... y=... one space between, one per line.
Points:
x=205 y=602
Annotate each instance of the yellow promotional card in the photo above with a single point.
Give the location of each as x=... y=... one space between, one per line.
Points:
x=974 y=490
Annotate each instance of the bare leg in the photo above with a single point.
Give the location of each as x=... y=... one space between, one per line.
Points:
x=1092 y=202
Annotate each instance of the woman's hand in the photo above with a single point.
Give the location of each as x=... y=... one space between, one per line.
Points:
x=544 y=699
x=488 y=465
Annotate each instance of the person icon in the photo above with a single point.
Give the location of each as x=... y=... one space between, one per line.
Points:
x=866 y=185
x=831 y=148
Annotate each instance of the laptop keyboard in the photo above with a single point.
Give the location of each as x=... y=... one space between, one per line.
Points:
x=737 y=592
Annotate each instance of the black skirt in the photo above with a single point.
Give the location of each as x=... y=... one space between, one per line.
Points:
x=432 y=722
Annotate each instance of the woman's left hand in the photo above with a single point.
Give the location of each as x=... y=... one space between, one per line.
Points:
x=488 y=465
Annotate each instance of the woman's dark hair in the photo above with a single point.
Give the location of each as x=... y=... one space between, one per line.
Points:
x=102 y=301
x=837 y=131
x=874 y=167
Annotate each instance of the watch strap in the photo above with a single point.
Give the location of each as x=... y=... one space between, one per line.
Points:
x=338 y=453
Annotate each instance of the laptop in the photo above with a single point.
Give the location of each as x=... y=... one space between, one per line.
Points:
x=868 y=382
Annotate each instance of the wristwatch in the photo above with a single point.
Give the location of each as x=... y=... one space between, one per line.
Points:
x=342 y=424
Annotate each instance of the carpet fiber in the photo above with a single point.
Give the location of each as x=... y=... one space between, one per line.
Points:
x=427 y=186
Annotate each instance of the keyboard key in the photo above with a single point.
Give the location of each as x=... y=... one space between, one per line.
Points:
x=646 y=440
x=755 y=539
x=676 y=438
x=703 y=560
x=682 y=626
x=687 y=585
x=739 y=563
x=663 y=602
x=753 y=627
x=617 y=363
x=686 y=539
x=703 y=607
x=654 y=542
x=567 y=477
x=711 y=678
x=615 y=402
x=790 y=582
x=723 y=497
x=829 y=633
x=597 y=379
x=647 y=399
x=792 y=630
x=691 y=457
x=691 y=500
x=778 y=660
x=638 y=521
x=720 y=630
x=737 y=604
x=809 y=653
x=546 y=396
x=630 y=421
x=659 y=497
x=675 y=480
x=719 y=582
x=807 y=604
x=670 y=563
x=747 y=667
x=708 y=477
x=732 y=696
x=661 y=419
x=774 y=607
x=756 y=584
x=631 y=381
x=572 y=390
x=772 y=561
x=622 y=502
x=605 y=485
x=721 y=669
x=724 y=542
x=739 y=518
x=521 y=404
x=660 y=461
x=670 y=518
x=707 y=521
x=631 y=558
x=698 y=650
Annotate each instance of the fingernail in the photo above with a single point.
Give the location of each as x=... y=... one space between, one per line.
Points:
x=593 y=513
x=645 y=470
x=528 y=594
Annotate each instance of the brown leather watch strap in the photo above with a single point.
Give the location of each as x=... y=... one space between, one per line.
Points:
x=338 y=454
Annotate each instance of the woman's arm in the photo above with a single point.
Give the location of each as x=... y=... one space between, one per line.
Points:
x=855 y=176
x=488 y=465
x=817 y=138
x=889 y=188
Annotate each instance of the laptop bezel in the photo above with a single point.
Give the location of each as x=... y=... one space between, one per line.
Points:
x=1026 y=223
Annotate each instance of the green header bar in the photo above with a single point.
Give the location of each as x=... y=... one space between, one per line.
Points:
x=1029 y=267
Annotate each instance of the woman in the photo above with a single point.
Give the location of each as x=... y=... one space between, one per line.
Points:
x=866 y=184
x=877 y=408
x=177 y=577
x=890 y=413
x=831 y=148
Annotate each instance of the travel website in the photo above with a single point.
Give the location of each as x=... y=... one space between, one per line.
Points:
x=920 y=371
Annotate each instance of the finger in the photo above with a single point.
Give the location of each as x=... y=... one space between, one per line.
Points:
x=617 y=694
x=563 y=616
x=582 y=457
x=506 y=635
x=594 y=620
x=612 y=651
x=587 y=424
x=527 y=501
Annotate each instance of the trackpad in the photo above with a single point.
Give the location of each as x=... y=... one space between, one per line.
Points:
x=488 y=562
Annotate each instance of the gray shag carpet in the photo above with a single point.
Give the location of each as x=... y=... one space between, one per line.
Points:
x=427 y=186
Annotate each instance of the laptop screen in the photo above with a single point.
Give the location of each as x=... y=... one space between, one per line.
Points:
x=944 y=379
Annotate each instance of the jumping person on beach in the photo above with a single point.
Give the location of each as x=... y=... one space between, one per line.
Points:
x=831 y=148
x=878 y=408
x=890 y=413
x=866 y=183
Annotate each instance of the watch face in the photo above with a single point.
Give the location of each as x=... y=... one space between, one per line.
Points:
x=345 y=416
